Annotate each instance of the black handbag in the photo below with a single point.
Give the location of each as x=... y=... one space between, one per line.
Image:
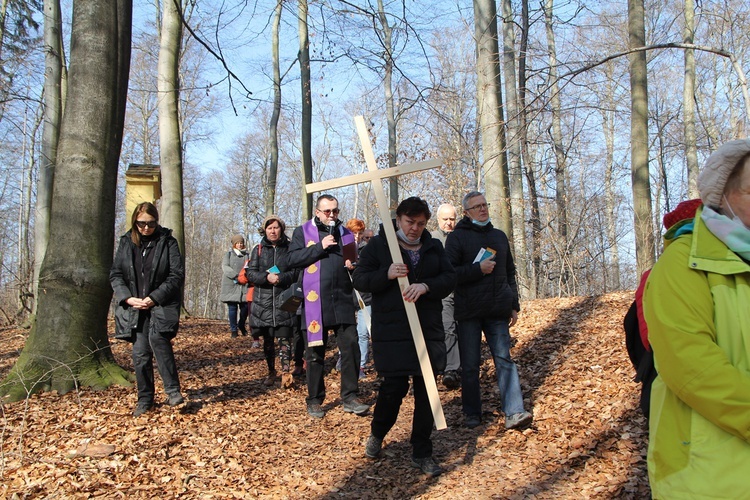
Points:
x=291 y=298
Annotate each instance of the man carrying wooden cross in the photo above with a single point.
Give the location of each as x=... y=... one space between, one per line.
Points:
x=318 y=248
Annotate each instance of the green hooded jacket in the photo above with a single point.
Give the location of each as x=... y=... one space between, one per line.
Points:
x=697 y=306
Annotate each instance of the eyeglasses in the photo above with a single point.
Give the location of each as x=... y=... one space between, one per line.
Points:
x=366 y=237
x=329 y=211
x=143 y=224
x=481 y=206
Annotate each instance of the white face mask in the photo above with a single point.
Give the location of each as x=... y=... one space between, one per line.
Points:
x=735 y=218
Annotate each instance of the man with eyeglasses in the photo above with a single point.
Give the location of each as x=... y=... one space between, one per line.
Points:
x=486 y=300
x=446 y=217
x=328 y=305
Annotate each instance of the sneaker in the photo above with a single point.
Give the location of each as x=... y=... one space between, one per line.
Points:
x=362 y=373
x=356 y=406
x=373 y=447
x=427 y=465
x=451 y=380
x=315 y=410
x=518 y=420
x=142 y=408
x=270 y=379
x=472 y=421
x=175 y=399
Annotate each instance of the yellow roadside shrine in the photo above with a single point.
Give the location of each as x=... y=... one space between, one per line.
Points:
x=375 y=176
x=142 y=183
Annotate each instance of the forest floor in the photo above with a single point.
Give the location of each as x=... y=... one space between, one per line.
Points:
x=236 y=438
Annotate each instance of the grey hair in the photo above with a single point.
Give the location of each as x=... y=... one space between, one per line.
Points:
x=468 y=196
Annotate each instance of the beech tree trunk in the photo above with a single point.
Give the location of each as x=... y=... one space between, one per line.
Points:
x=68 y=344
x=172 y=213
x=490 y=110
x=53 y=109
x=641 y=182
x=306 y=146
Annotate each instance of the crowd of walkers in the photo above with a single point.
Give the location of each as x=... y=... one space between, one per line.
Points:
x=331 y=279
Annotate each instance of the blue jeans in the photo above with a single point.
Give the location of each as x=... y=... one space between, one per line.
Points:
x=498 y=339
x=363 y=334
x=233 y=309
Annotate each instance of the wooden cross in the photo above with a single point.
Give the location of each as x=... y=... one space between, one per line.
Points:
x=377 y=175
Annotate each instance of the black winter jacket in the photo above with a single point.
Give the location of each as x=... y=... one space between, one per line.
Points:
x=165 y=285
x=266 y=309
x=392 y=342
x=478 y=296
x=336 y=288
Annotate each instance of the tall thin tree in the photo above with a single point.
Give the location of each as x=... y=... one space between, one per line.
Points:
x=170 y=138
x=641 y=182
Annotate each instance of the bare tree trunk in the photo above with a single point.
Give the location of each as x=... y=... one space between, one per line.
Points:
x=53 y=109
x=561 y=169
x=390 y=113
x=612 y=271
x=688 y=101
x=536 y=224
x=273 y=129
x=170 y=140
x=68 y=343
x=514 y=148
x=490 y=109
x=306 y=146
x=644 y=235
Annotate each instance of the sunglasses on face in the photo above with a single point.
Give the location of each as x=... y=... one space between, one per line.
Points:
x=143 y=224
x=334 y=211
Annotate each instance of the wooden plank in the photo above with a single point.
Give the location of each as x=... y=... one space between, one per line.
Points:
x=371 y=175
x=393 y=246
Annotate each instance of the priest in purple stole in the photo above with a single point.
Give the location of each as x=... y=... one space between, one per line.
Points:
x=317 y=248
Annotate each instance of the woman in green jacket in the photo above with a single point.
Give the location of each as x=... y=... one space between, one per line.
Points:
x=697 y=306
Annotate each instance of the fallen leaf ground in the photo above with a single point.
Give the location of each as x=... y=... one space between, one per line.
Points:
x=236 y=438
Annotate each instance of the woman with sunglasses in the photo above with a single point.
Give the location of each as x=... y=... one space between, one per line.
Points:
x=147 y=277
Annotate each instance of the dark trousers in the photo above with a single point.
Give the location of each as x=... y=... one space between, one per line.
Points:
x=269 y=333
x=147 y=346
x=347 y=340
x=234 y=323
x=392 y=392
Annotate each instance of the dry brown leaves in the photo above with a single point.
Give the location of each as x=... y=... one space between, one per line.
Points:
x=236 y=438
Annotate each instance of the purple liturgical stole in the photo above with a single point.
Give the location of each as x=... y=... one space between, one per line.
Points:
x=311 y=283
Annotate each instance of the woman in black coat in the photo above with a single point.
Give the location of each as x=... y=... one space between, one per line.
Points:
x=431 y=278
x=147 y=277
x=269 y=272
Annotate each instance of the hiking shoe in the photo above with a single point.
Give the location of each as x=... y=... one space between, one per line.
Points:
x=270 y=379
x=472 y=421
x=518 y=420
x=356 y=406
x=234 y=335
x=142 y=408
x=175 y=399
x=427 y=465
x=315 y=410
x=451 y=380
x=373 y=447
x=243 y=332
